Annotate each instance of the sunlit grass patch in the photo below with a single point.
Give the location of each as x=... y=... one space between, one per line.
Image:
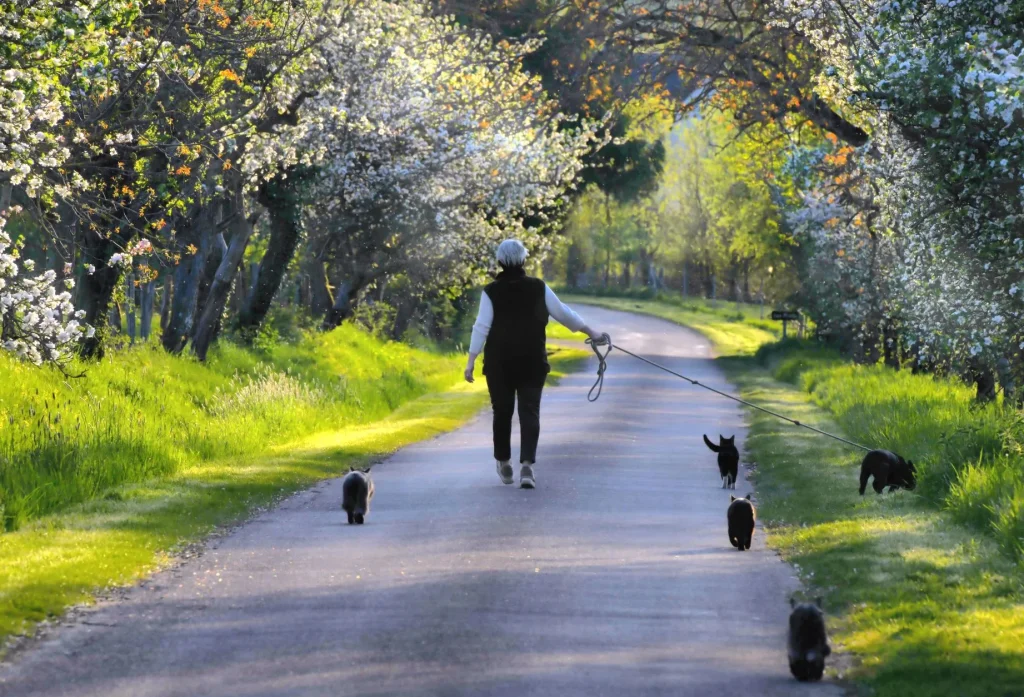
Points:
x=969 y=457
x=925 y=606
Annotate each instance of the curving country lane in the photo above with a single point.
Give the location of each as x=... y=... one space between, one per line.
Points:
x=614 y=577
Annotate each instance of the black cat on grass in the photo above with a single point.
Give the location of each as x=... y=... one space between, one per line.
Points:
x=808 y=641
x=741 y=517
x=728 y=459
x=356 y=494
x=889 y=470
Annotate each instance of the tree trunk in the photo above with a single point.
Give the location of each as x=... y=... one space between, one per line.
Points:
x=282 y=204
x=165 y=301
x=320 y=300
x=96 y=289
x=985 y=381
x=212 y=249
x=148 y=295
x=129 y=305
x=403 y=316
x=187 y=274
x=217 y=297
x=114 y=317
x=181 y=313
x=344 y=302
x=1006 y=381
x=890 y=345
x=238 y=295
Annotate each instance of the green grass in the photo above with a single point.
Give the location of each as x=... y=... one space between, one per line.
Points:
x=732 y=331
x=969 y=457
x=924 y=590
x=923 y=606
x=153 y=452
x=142 y=413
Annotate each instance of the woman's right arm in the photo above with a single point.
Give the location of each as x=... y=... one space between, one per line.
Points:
x=565 y=315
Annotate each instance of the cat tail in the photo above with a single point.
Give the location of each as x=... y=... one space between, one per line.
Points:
x=714 y=448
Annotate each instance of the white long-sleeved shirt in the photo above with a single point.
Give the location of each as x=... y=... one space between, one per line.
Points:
x=562 y=313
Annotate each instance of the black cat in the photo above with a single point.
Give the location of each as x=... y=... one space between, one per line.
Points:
x=741 y=517
x=808 y=642
x=356 y=493
x=728 y=459
x=889 y=470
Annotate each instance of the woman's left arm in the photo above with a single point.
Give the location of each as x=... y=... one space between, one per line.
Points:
x=481 y=328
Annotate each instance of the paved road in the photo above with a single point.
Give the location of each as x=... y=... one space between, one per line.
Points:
x=614 y=577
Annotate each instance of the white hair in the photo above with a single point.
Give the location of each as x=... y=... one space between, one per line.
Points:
x=512 y=253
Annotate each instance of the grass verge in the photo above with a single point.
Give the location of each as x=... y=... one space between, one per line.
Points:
x=924 y=606
x=921 y=604
x=57 y=559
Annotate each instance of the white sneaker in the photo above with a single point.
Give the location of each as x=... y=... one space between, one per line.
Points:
x=526 y=480
x=505 y=471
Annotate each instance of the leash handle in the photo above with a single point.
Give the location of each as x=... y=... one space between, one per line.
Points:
x=602 y=364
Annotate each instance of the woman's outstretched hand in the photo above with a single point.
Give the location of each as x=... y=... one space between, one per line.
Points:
x=470 y=367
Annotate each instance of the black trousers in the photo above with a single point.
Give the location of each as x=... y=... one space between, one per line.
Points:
x=504 y=393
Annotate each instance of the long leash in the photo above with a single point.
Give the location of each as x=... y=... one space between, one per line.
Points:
x=602 y=359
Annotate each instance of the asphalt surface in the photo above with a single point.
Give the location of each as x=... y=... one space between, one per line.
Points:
x=614 y=577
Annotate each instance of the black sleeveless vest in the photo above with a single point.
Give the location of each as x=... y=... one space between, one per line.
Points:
x=516 y=348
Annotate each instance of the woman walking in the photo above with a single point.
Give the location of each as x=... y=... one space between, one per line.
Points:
x=510 y=331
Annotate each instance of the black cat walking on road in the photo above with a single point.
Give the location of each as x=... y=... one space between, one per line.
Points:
x=728 y=459
x=741 y=516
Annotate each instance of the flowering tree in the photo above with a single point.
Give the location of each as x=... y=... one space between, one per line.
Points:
x=929 y=213
x=427 y=143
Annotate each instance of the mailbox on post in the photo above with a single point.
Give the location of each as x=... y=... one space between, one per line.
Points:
x=786 y=316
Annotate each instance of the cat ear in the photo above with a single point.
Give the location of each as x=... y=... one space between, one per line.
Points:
x=721 y=437
x=817 y=601
x=792 y=601
x=750 y=496
x=731 y=499
x=367 y=470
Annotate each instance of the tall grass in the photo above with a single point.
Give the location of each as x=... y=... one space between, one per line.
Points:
x=969 y=457
x=143 y=414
